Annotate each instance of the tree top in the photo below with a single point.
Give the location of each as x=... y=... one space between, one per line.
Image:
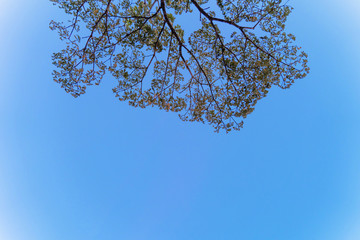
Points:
x=214 y=74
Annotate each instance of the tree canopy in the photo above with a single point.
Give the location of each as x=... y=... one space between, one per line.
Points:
x=214 y=73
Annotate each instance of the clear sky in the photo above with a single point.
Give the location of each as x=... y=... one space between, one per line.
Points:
x=94 y=168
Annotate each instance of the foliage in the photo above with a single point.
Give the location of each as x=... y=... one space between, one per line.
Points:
x=214 y=75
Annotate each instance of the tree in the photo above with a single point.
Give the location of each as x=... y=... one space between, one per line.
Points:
x=214 y=74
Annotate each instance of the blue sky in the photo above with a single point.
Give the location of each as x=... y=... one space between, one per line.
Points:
x=95 y=168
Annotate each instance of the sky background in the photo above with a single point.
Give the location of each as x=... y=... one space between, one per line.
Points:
x=95 y=168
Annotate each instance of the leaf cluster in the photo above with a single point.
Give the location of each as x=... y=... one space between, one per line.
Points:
x=210 y=76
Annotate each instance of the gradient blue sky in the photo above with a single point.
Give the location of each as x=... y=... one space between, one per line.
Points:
x=95 y=168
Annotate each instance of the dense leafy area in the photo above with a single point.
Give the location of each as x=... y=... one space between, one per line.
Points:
x=214 y=74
